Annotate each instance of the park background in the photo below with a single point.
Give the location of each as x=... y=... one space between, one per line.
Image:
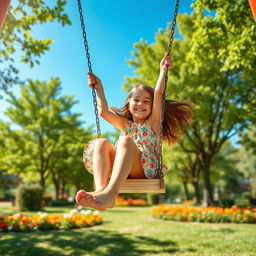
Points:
x=45 y=121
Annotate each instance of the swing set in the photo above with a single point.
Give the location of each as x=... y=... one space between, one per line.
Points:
x=135 y=185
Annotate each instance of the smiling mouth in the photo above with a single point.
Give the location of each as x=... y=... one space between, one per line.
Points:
x=140 y=110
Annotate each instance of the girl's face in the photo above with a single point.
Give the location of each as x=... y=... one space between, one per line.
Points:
x=140 y=105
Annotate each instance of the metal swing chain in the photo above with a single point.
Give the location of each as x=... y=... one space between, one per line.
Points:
x=86 y=46
x=160 y=173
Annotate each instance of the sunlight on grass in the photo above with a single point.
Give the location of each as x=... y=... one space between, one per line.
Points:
x=132 y=231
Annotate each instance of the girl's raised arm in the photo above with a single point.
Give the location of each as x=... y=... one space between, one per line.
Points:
x=155 y=116
x=114 y=119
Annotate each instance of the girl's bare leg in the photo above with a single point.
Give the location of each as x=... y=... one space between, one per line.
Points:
x=127 y=161
x=103 y=159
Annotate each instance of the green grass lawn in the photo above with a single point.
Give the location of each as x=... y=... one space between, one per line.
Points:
x=131 y=231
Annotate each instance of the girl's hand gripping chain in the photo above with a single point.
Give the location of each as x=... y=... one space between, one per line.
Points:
x=166 y=61
x=94 y=81
x=165 y=65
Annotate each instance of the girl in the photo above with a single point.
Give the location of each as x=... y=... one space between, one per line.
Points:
x=136 y=152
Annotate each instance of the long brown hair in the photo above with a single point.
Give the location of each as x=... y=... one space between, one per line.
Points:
x=177 y=114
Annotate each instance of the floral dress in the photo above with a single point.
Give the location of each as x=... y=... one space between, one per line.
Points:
x=146 y=140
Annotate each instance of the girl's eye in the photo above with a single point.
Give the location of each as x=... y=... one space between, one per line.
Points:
x=146 y=101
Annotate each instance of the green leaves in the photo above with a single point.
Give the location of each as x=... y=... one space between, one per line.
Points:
x=47 y=140
x=16 y=35
x=231 y=28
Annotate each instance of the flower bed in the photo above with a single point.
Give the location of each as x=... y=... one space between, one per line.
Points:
x=120 y=201
x=44 y=221
x=205 y=214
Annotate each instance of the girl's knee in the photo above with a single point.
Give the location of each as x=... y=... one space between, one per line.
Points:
x=125 y=141
x=102 y=143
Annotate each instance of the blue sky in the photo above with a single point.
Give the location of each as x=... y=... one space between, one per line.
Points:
x=112 y=28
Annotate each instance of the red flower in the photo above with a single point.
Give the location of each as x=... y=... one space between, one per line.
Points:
x=143 y=161
x=3 y=225
x=145 y=134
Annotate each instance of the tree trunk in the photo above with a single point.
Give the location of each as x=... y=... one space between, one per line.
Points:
x=42 y=179
x=207 y=191
x=186 y=195
x=195 y=172
x=56 y=186
x=196 y=192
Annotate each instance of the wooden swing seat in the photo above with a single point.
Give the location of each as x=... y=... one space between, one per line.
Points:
x=143 y=186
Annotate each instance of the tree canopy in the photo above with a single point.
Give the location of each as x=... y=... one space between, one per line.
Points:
x=17 y=37
x=47 y=139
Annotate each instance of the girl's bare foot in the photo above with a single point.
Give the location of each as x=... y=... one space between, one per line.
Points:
x=99 y=200
x=88 y=200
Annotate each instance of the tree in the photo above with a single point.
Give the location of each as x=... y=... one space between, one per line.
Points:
x=230 y=75
x=48 y=128
x=247 y=157
x=68 y=170
x=222 y=96
x=7 y=182
x=186 y=167
x=225 y=173
x=22 y=17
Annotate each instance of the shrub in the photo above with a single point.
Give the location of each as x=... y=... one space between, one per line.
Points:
x=225 y=203
x=29 y=197
x=242 y=202
x=253 y=201
x=153 y=198
x=62 y=202
x=246 y=195
x=47 y=199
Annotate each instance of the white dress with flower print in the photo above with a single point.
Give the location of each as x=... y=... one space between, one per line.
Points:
x=146 y=140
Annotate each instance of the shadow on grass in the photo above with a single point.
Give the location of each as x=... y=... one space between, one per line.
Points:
x=224 y=230
x=83 y=242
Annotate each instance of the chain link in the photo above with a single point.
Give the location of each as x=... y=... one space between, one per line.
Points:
x=86 y=46
x=160 y=173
